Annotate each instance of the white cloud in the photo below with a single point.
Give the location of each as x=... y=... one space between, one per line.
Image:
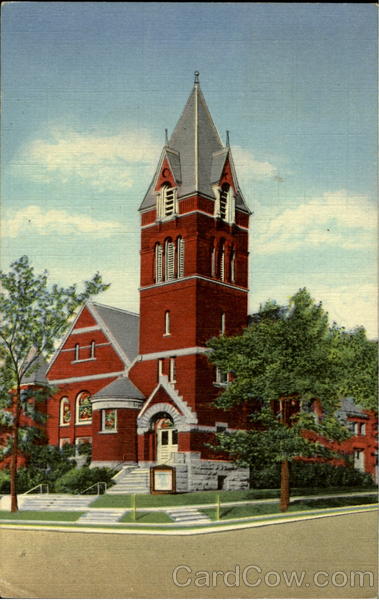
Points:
x=33 y=220
x=251 y=169
x=335 y=219
x=104 y=162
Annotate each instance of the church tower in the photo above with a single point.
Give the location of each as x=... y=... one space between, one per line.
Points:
x=194 y=278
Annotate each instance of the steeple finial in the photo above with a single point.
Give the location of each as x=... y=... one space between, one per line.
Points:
x=227 y=139
x=166 y=137
x=197 y=77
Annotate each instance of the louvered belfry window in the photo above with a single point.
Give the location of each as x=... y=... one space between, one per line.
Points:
x=168 y=200
x=180 y=251
x=224 y=201
x=169 y=260
x=158 y=263
x=222 y=262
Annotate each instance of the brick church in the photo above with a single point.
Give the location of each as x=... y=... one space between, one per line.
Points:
x=140 y=388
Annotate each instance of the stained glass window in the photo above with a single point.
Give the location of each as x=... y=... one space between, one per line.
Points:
x=65 y=413
x=109 y=419
x=83 y=408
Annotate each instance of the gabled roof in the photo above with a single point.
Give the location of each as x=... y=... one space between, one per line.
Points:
x=122 y=389
x=122 y=324
x=191 y=151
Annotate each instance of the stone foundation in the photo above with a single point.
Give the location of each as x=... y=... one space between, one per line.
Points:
x=194 y=474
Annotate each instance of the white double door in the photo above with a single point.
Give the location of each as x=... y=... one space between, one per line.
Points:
x=167 y=443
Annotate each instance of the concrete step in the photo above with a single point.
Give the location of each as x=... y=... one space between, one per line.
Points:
x=102 y=516
x=131 y=481
x=187 y=515
x=55 y=502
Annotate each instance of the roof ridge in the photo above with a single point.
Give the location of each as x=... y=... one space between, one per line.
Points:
x=124 y=310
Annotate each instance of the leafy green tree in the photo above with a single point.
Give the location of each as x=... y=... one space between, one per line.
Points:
x=33 y=317
x=285 y=362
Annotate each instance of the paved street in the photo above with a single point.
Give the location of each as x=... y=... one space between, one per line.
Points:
x=85 y=565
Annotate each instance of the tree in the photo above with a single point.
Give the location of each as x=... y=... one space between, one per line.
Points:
x=285 y=362
x=33 y=317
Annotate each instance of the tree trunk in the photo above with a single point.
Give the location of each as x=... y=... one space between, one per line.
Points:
x=284 y=486
x=13 y=468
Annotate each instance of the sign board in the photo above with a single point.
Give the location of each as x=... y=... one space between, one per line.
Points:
x=162 y=480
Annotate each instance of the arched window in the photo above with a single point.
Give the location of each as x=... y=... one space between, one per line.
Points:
x=167 y=323
x=221 y=261
x=223 y=322
x=213 y=260
x=166 y=201
x=92 y=349
x=158 y=266
x=232 y=265
x=180 y=255
x=64 y=411
x=83 y=408
x=172 y=371
x=169 y=260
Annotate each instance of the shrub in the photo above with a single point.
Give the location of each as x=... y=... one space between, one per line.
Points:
x=317 y=474
x=312 y=474
x=77 y=480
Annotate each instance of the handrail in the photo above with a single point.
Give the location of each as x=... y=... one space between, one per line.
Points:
x=40 y=486
x=97 y=484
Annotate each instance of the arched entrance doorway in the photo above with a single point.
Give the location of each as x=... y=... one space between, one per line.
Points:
x=166 y=437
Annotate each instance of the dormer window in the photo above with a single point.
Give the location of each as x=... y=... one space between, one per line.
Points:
x=224 y=200
x=166 y=201
x=225 y=204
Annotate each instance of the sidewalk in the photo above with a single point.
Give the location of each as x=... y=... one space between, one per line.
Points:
x=188 y=527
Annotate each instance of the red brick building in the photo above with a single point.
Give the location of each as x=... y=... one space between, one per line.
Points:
x=140 y=387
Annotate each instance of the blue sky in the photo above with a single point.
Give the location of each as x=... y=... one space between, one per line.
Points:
x=90 y=87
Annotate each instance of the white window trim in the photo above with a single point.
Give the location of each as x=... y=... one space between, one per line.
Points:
x=160 y=367
x=180 y=257
x=77 y=421
x=103 y=430
x=219 y=378
x=63 y=442
x=167 y=323
x=223 y=324
x=64 y=400
x=158 y=266
x=81 y=440
x=172 y=369
x=161 y=203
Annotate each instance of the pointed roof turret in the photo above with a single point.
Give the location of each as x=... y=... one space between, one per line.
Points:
x=195 y=141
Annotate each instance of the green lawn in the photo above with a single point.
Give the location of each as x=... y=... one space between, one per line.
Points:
x=209 y=497
x=154 y=517
x=34 y=515
x=252 y=510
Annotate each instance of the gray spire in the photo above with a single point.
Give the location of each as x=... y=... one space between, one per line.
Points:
x=196 y=138
x=194 y=150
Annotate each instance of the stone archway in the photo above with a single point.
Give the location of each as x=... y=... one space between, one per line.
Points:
x=166 y=435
